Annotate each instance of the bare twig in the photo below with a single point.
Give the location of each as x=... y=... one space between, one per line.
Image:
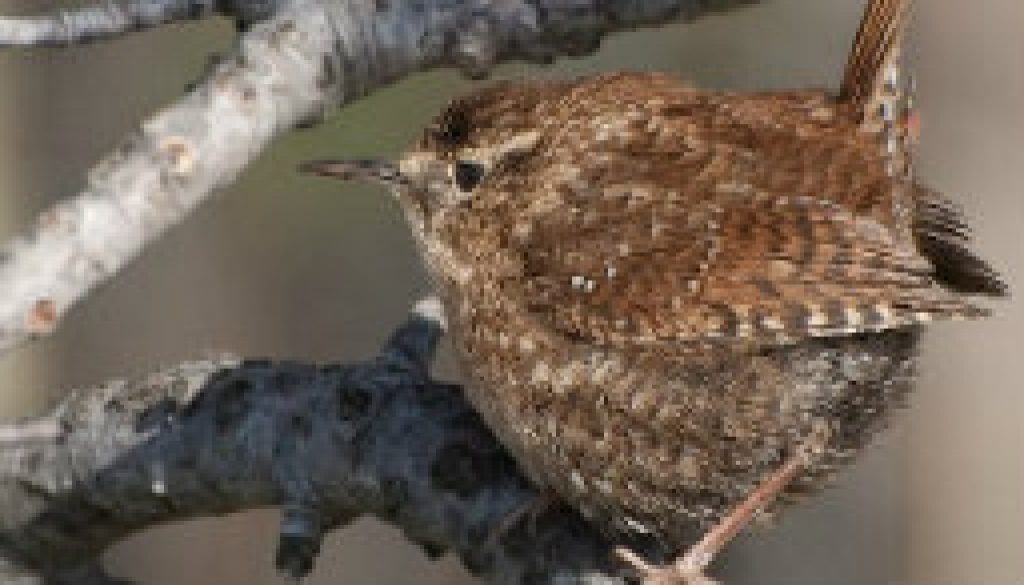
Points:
x=325 y=443
x=297 y=60
x=109 y=19
x=37 y=430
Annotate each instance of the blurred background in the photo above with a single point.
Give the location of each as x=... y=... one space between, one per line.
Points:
x=286 y=266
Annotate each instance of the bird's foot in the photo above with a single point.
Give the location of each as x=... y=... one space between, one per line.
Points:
x=529 y=512
x=685 y=570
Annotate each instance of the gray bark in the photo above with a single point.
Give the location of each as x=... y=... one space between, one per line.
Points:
x=325 y=443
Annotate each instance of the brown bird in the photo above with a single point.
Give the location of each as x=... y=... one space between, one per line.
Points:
x=675 y=303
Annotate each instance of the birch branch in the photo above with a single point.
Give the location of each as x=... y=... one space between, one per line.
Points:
x=326 y=443
x=295 y=61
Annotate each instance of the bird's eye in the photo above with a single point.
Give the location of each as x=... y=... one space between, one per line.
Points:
x=468 y=174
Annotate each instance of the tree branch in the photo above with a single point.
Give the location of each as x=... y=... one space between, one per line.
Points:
x=297 y=60
x=326 y=443
x=110 y=19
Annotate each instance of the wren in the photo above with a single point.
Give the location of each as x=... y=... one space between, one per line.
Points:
x=663 y=295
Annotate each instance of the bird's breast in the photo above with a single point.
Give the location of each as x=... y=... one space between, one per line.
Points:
x=640 y=442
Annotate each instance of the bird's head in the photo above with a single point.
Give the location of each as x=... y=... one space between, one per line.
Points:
x=461 y=152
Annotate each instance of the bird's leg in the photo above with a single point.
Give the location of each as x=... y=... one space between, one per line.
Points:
x=529 y=512
x=688 y=569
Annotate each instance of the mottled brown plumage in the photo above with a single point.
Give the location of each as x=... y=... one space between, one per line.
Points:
x=661 y=292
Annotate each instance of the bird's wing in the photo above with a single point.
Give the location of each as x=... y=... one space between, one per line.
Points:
x=943 y=237
x=769 y=269
x=721 y=217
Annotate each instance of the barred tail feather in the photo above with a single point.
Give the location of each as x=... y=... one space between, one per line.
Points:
x=877 y=42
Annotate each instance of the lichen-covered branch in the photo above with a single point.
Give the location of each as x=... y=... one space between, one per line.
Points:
x=326 y=443
x=295 y=61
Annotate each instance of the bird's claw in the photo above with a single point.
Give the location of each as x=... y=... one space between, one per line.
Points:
x=686 y=570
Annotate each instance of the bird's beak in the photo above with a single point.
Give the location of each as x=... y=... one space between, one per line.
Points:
x=378 y=171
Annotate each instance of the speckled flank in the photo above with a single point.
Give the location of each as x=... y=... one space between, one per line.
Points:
x=659 y=291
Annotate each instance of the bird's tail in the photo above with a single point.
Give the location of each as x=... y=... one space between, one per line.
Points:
x=882 y=95
x=875 y=52
x=881 y=91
